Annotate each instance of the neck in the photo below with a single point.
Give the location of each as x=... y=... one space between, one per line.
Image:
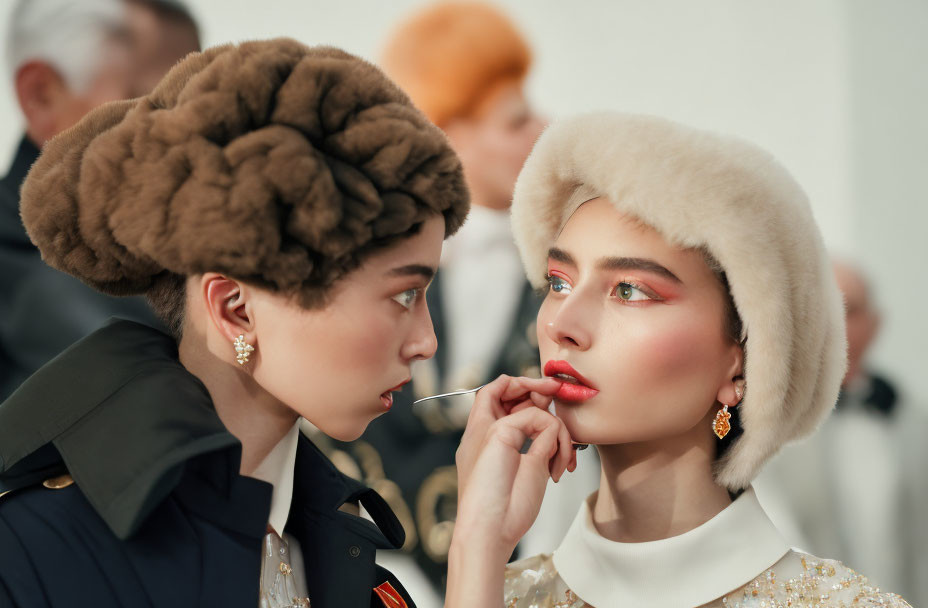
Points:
x=478 y=199
x=257 y=419
x=658 y=489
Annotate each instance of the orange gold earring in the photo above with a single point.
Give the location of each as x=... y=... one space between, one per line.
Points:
x=721 y=424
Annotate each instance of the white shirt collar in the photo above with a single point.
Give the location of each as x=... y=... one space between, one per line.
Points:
x=277 y=469
x=691 y=569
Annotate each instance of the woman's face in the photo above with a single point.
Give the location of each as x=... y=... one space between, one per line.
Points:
x=494 y=144
x=337 y=366
x=641 y=322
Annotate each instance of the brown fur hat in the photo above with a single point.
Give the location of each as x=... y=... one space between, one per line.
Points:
x=269 y=161
x=728 y=197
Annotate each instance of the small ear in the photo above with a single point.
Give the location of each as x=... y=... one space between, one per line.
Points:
x=732 y=389
x=228 y=305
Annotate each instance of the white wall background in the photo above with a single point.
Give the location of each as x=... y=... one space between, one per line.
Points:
x=836 y=89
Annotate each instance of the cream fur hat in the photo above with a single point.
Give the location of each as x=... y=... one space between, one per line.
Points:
x=729 y=197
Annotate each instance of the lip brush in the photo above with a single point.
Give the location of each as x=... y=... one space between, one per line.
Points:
x=577 y=446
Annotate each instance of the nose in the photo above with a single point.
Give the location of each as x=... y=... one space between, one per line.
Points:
x=422 y=342
x=571 y=325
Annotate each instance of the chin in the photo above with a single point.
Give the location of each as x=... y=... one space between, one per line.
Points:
x=579 y=432
x=346 y=432
x=586 y=426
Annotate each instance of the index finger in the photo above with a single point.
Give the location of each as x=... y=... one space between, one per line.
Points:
x=497 y=398
x=520 y=388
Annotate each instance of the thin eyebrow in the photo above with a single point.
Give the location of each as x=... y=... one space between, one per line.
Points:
x=425 y=272
x=616 y=263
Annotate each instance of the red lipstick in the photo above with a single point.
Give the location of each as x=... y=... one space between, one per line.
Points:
x=574 y=387
x=386 y=398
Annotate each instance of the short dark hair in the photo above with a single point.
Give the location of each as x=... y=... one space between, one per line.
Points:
x=172 y=12
x=168 y=294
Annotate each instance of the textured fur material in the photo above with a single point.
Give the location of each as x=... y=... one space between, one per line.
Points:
x=700 y=189
x=268 y=161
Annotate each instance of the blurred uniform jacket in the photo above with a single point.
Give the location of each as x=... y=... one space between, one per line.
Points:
x=142 y=502
x=408 y=454
x=857 y=489
x=42 y=310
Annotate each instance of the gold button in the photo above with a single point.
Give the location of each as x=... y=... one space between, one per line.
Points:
x=57 y=483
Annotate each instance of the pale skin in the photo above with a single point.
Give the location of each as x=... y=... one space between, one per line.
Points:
x=331 y=365
x=494 y=142
x=644 y=322
x=862 y=319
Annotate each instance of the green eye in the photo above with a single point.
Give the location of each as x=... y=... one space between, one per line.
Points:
x=407 y=298
x=629 y=292
x=625 y=291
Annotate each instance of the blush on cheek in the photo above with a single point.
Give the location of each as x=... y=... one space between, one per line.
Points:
x=674 y=351
x=373 y=345
x=681 y=364
x=670 y=353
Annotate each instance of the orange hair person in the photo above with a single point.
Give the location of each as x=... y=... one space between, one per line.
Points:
x=454 y=58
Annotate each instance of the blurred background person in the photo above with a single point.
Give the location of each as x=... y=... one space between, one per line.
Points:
x=65 y=58
x=856 y=490
x=162 y=33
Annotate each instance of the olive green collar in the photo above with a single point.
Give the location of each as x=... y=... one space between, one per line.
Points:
x=124 y=415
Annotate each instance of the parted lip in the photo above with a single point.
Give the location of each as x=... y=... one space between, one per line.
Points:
x=397 y=387
x=563 y=367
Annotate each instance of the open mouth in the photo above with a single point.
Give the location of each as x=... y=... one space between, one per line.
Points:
x=386 y=397
x=574 y=387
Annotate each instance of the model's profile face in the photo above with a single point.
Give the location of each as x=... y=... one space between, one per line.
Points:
x=337 y=366
x=641 y=322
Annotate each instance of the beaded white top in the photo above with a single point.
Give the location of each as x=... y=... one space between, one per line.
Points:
x=735 y=560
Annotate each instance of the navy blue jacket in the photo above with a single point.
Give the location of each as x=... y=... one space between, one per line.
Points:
x=157 y=514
